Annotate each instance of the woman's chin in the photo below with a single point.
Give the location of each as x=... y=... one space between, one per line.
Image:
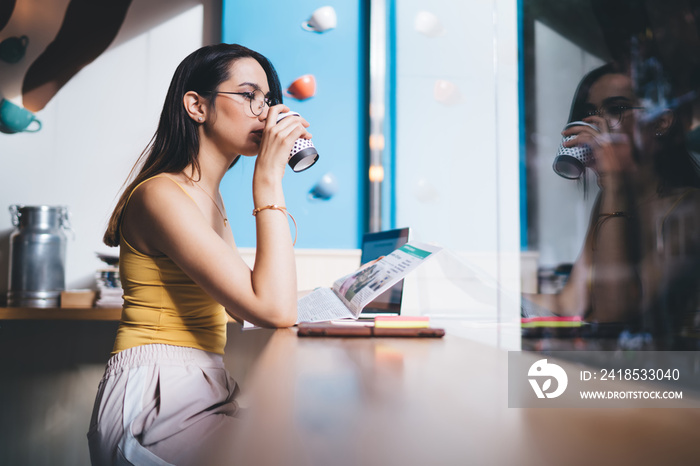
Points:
x=251 y=150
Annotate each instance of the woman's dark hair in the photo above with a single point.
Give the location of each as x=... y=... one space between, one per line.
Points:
x=175 y=144
x=673 y=163
x=579 y=104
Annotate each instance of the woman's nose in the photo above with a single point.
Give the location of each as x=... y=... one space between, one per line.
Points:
x=263 y=114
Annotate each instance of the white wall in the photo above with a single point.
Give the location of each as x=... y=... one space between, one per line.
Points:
x=563 y=213
x=98 y=123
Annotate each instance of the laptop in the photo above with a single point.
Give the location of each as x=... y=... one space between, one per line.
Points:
x=375 y=245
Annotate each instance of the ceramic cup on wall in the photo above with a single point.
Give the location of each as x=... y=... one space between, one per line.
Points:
x=325 y=188
x=428 y=24
x=302 y=88
x=15 y=119
x=446 y=92
x=321 y=20
x=425 y=191
x=12 y=49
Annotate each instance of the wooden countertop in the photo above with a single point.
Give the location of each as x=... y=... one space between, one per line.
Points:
x=341 y=401
x=379 y=401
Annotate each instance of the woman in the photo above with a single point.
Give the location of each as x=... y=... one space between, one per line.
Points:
x=639 y=262
x=165 y=391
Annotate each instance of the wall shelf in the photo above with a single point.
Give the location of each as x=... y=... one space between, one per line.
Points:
x=56 y=313
x=59 y=313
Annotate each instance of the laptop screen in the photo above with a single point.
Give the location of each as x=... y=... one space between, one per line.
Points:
x=375 y=245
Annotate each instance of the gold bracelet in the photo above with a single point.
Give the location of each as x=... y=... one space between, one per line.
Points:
x=602 y=218
x=614 y=214
x=282 y=209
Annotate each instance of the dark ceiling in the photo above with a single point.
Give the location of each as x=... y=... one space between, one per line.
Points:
x=572 y=19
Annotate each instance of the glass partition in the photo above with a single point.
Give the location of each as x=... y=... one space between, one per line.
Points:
x=612 y=176
x=455 y=142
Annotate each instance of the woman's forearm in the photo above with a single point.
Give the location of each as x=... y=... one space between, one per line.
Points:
x=614 y=284
x=274 y=272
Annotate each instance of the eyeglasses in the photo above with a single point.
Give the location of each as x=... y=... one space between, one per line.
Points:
x=256 y=99
x=613 y=114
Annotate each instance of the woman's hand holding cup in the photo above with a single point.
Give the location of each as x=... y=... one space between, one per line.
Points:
x=278 y=139
x=574 y=153
x=610 y=151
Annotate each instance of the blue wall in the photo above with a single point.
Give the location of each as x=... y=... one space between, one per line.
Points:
x=337 y=115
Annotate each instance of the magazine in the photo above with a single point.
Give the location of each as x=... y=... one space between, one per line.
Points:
x=351 y=293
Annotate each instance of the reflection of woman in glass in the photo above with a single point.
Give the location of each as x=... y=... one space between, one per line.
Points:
x=640 y=259
x=166 y=395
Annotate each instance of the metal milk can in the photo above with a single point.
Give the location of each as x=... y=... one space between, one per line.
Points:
x=37 y=255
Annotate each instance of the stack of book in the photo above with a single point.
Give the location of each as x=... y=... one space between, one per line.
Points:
x=402 y=322
x=551 y=326
x=383 y=326
x=109 y=287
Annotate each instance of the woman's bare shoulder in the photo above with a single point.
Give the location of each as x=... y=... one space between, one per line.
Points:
x=679 y=218
x=158 y=192
x=682 y=201
x=157 y=206
x=693 y=194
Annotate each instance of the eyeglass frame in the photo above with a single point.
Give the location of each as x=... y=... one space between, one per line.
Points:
x=601 y=112
x=266 y=100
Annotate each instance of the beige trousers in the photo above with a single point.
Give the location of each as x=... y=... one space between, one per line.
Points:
x=160 y=405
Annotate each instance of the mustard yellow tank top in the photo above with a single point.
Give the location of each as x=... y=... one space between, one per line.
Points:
x=163 y=305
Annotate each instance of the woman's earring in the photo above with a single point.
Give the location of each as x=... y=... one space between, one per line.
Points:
x=200 y=119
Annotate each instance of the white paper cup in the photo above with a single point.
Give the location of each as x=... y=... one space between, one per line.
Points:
x=303 y=154
x=571 y=162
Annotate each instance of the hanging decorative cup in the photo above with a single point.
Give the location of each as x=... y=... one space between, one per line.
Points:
x=302 y=88
x=323 y=19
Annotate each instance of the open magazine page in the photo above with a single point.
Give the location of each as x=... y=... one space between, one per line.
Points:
x=320 y=306
x=360 y=288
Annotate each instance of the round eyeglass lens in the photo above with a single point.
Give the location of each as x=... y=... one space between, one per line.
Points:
x=612 y=115
x=257 y=103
